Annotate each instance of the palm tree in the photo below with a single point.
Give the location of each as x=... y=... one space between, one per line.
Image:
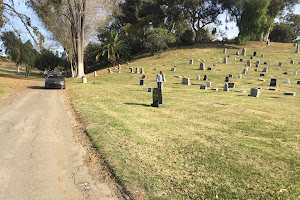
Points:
x=115 y=47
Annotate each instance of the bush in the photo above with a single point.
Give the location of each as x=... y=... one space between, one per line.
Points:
x=187 y=38
x=158 y=40
x=282 y=33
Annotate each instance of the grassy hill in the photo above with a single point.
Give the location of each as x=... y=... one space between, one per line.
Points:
x=203 y=144
x=9 y=78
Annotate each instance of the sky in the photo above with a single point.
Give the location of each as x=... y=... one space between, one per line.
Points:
x=20 y=6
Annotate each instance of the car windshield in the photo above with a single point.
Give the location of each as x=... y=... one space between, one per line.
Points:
x=55 y=76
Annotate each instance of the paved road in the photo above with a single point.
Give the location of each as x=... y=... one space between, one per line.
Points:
x=39 y=158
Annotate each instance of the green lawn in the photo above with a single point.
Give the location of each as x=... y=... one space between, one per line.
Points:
x=203 y=144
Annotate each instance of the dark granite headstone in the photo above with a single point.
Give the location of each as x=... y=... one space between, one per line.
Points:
x=227 y=79
x=142 y=82
x=241 y=60
x=157 y=98
x=209 y=68
x=265 y=63
x=254 y=92
x=203 y=87
x=231 y=85
x=298 y=82
x=254 y=53
x=230 y=76
x=205 y=77
x=262 y=74
x=285 y=73
x=273 y=82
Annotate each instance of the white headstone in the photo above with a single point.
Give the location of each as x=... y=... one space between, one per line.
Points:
x=225 y=61
x=287 y=81
x=295 y=73
x=208 y=84
x=240 y=76
x=191 y=62
x=137 y=70
x=224 y=51
x=244 y=52
x=142 y=71
x=95 y=73
x=198 y=77
x=249 y=63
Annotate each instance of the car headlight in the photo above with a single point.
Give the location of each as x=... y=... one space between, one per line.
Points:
x=62 y=82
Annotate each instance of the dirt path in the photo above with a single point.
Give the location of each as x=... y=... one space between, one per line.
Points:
x=39 y=157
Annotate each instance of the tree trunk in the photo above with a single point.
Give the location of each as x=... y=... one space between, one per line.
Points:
x=266 y=37
x=18 y=68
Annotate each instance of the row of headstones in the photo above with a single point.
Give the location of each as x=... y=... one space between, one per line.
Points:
x=137 y=70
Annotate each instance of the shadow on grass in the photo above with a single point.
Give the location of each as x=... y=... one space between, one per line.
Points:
x=138 y=104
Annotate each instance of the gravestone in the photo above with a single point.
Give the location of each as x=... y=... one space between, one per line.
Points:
x=254 y=53
x=298 y=82
x=142 y=71
x=244 y=71
x=255 y=92
x=273 y=89
x=203 y=87
x=150 y=89
x=256 y=65
x=265 y=63
x=285 y=73
x=290 y=93
x=262 y=55
x=214 y=89
x=237 y=53
x=209 y=69
x=295 y=44
x=234 y=58
x=242 y=91
x=205 y=77
x=177 y=76
x=287 y=81
x=119 y=71
x=198 y=60
x=119 y=66
x=258 y=62
x=214 y=65
x=224 y=51
x=173 y=69
x=241 y=60
x=262 y=74
x=186 y=81
x=225 y=61
x=280 y=64
x=202 y=66
x=157 y=98
x=230 y=76
x=227 y=79
x=95 y=73
x=131 y=69
x=84 y=79
x=240 y=76
x=248 y=63
x=244 y=52
x=295 y=73
x=260 y=79
x=256 y=70
x=251 y=57
x=273 y=82
x=191 y=62
x=198 y=77
x=226 y=89
x=265 y=69
x=231 y=85
x=268 y=42
x=136 y=70
x=142 y=82
x=208 y=84
x=109 y=71
x=297 y=48
x=228 y=56
x=292 y=62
